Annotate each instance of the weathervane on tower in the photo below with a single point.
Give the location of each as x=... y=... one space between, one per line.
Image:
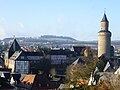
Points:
x=104 y=10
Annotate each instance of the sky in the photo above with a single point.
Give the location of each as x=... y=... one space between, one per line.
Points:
x=79 y=19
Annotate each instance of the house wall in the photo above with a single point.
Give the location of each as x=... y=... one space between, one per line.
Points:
x=58 y=59
x=25 y=63
x=11 y=65
x=6 y=59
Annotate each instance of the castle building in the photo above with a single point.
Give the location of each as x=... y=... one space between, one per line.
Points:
x=21 y=61
x=104 y=38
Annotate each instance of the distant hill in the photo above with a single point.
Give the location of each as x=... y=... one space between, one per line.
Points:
x=56 y=38
x=43 y=38
x=52 y=40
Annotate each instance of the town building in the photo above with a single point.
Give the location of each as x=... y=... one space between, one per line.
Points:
x=108 y=66
x=104 y=38
x=58 y=56
x=38 y=82
x=79 y=50
x=21 y=61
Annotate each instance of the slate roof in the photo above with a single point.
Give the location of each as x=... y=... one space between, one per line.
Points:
x=111 y=66
x=79 y=50
x=79 y=60
x=58 y=52
x=1 y=61
x=105 y=31
x=32 y=53
x=118 y=71
x=13 y=48
x=6 y=86
x=38 y=82
x=104 y=19
x=17 y=54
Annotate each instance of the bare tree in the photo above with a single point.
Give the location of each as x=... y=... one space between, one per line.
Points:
x=80 y=71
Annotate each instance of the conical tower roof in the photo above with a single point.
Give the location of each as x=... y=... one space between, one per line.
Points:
x=104 y=19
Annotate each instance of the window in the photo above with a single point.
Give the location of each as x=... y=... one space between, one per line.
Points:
x=58 y=59
x=22 y=57
x=22 y=66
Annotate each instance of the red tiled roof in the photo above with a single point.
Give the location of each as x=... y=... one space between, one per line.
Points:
x=28 y=79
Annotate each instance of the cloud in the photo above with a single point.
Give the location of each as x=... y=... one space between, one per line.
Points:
x=2 y=20
x=21 y=25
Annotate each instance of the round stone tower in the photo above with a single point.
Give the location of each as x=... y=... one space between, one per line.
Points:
x=104 y=38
